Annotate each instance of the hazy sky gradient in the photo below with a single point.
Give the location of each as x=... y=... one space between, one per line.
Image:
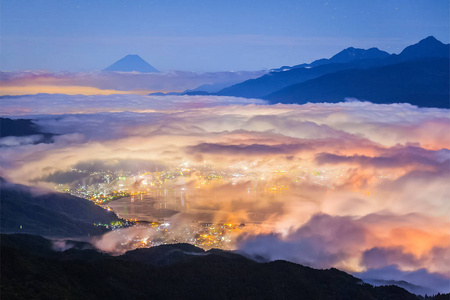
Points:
x=60 y=35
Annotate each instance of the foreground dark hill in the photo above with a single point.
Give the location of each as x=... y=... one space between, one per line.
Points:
x=49 y=214
x=424 y=83
x=131 y=63
x=31 y=269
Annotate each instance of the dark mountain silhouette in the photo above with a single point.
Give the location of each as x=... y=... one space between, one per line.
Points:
x=48 y=213
x=132 y=63
x=31 y=269
x=22 y=128
x=422 y=82
x=19 y=127
x=426 y=48
x=285 y=85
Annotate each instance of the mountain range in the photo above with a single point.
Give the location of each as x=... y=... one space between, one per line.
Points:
x=421 y=82
x=419 y=75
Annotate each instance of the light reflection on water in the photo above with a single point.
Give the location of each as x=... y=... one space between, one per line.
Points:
x=194 y=204
x=152 y=206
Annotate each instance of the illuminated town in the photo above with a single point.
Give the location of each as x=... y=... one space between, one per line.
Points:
x=149 y=200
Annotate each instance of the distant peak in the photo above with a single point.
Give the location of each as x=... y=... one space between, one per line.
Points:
x=132 y=63
x=132 y=56
x=428 y=47
x=351 y=54
x=430 y=40
x=350 y=50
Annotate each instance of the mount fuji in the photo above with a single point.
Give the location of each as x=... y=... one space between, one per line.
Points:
x=131 y=63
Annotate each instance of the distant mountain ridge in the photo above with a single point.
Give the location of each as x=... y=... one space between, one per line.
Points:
x=131 y=63
x=315 y=80
x=351 y=54
x=345 y=56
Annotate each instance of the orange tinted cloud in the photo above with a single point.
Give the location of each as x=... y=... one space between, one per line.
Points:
x=68 y=90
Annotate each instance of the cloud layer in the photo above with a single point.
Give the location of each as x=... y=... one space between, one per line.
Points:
x=353 y=185
x=106 y=83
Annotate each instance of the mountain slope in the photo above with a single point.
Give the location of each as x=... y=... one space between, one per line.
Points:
x=422 y=82
x=49 y=214
x=131 y=63
x=269 y=83
x=78 y=274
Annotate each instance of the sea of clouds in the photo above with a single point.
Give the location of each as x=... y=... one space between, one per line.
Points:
x=384 y=214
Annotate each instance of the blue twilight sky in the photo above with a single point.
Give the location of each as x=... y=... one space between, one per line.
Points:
x=69 y=35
